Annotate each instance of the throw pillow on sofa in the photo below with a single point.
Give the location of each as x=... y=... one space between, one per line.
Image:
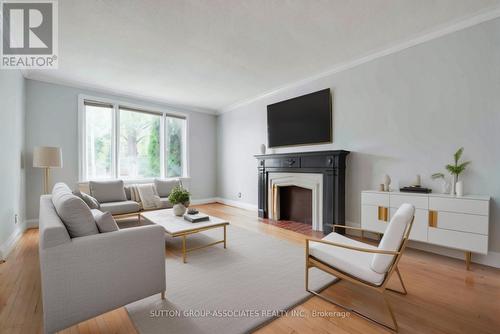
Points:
x=164 y=187
x=108 y=191
x=104 y=221
x=89 y=200
x=73 y=211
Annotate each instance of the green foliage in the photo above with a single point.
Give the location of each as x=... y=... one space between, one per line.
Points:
x=178 y=195
x=174 y=147
x=457 y=168
x=98 y=130
x=437 y=176
x=458 y=154
x=139 y=144
x=154 y=149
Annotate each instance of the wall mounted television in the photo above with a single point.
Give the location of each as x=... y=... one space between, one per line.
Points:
x=302 y=120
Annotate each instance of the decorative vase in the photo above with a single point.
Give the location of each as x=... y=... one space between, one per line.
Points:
x=387 y=182
x=445 y=186
x=262 y=148
x=459 y=188
x=179 y=209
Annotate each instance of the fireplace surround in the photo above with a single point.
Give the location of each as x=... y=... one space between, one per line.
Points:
x=311 y=181
x=323 y=172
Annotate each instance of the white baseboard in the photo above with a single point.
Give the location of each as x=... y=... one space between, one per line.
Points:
x=203 y=201
x=225 y=201
x=10 y=243
x=31 y=223
x=238 y=204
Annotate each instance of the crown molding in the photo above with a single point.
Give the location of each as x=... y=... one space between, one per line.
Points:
x=118 y=93
x=442 y=30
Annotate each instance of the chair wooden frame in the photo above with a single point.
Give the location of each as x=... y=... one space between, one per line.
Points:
x=312 y=262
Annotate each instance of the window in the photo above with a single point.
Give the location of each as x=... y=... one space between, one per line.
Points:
x=139 y=145
x=99 y=133
x=174 y=147
x=118 y=141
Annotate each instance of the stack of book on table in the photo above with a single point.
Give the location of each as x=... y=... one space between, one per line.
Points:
x=196 y=218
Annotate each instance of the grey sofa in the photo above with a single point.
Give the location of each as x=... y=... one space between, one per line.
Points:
x=115 y=197
x=87 y=276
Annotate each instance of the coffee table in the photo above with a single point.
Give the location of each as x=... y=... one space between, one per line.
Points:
x=178 y=227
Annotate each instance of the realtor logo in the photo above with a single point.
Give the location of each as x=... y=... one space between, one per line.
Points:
x=29 y=34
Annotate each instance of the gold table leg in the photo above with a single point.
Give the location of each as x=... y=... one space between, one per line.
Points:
x=185 y=250
x=225 y=243
x=468 y=259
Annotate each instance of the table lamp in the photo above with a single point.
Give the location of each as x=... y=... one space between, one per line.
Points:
x=47 y=158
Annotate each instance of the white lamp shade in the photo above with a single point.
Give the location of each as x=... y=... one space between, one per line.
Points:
x=45 y=157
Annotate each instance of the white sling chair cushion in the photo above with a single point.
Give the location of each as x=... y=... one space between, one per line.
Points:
x=351 y=262
x=393 y=237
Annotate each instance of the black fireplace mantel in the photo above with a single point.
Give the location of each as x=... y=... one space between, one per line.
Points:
x=329 y=163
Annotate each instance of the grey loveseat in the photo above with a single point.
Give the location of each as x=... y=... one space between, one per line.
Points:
x=115 y=197
x=86 y=276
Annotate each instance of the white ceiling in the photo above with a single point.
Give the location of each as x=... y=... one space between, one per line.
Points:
x=211 y=54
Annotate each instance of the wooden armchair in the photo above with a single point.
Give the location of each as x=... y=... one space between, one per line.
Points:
x=361 y=263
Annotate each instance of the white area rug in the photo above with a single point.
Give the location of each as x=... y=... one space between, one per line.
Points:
x=233 y=290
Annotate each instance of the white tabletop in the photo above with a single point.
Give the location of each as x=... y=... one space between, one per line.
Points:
x=177 y=225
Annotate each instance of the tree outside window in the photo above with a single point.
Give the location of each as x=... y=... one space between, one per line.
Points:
x=139 y=145
x=133 y=146
x=174 y=146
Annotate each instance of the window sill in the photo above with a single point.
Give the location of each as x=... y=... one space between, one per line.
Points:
x=139 y=181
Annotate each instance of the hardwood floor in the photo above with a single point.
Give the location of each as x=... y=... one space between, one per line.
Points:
x=442 y=296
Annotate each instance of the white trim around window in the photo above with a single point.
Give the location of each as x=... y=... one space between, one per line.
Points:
x=117 y=104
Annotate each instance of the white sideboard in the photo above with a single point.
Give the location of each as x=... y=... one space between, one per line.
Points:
x=455 y=222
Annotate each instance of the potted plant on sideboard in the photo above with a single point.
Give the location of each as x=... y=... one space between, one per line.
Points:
x=455 y=170
x=179 y=197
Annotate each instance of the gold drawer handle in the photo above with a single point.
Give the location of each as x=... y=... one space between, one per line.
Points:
x=433 y=217
x=383 y=213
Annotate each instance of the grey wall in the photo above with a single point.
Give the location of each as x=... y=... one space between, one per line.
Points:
x=402 y=114
x=52 y=119
x=12 y=119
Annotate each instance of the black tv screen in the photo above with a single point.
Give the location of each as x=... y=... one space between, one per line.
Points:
x=302 y=120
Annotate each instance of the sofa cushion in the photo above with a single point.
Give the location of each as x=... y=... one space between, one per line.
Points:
x=118 y=208
x=393 y=237
x=73 y=211
x=164 y=187
x=104 y=221
x=89 y=200
x=108 y=191
x=128 y=193
x=165 y=203
x=349 y=261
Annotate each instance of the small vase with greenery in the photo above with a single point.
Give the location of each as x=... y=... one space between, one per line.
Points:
x=455 y=170
x=179 y=197
x=445 y=185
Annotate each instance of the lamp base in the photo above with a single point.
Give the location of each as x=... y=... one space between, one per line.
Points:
x=46 y=180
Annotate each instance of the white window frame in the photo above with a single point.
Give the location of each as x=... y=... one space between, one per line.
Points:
x=117 y=104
